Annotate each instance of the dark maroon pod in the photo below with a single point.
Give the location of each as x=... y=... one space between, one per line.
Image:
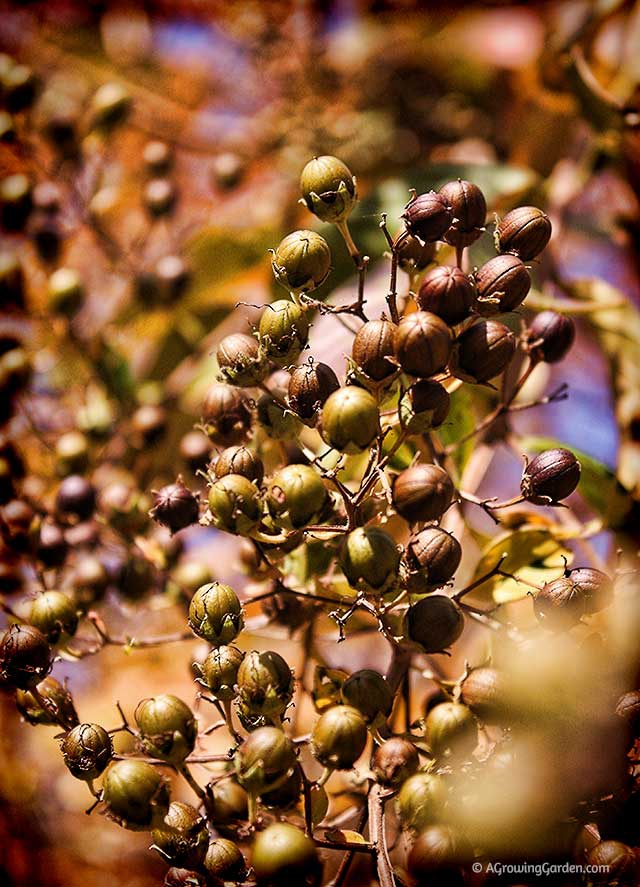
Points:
x=428 y=216
x=502 y=284
x=422 y=344
x=372 y=347
x=469 y=209
x=422 y=492
x=309 y=387
x=76 y=497
x=447 y=292
x=525 y=231
x=483 y=351
x=175 y=506
x=434 y=554
x=25 y=657
x=550 y=336
x=435 y=623
x=551 y=476
x=412 y=254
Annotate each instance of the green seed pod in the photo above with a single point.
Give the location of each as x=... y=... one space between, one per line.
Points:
x=551 y=476
x=368 y=691
x=372 y=350
x=483 y=692
x=428 y=216
x=224 y=860
x=423 y=406
x=283 y=856
x=302 y=261
x=296 y=496
x=328 y=188
x=451 y=729
x=65 y=291
x=421 y=800
x=239 y=460
x=25 y=656
x=265 y=683
x=276 y=420
x=87 y=750
x=339 y=737
x=183 y=837
x=55 y=615
x=422 y=344
x=482 y=351
x=447 y=292
x=190 y=575
x=350 y=420
x=226 y=415
x=168 y=729
x=434 y=623
x=525 y=231
x=219 y=672
x=225 y=802
x=215 y=614
x=422 y=492
x=234 y=504
x=72 y=453
x=437 y=855
x=395 y=761
x=135 y=794
x=54 y=704
x=241 y=360
x=284 y=331
x=469 y=209
x=309 y=387
x=265 y=760
x=110 y=105
x=502 y=284
x=370 y=559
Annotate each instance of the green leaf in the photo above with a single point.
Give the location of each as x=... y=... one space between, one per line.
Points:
x=460 y=422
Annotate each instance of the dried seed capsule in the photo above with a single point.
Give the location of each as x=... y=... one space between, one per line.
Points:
x=482 y=351
x=19 y=88
x=350 y=420
x=560 y=604
x=435 y=554
x=483 y=691
x=265 y=683
x=234 y=504
x=296 y=496
x=65 y=291
x=55 y=615
x=215 y=614
x=53 y=706
x=279 y=422
x=328 y=188
x=550 y=336
x=372 y=347
x=594 y=585
x=168 y=729
x=25 y=656
x=195 y=450
x=226 y=801
x=157 y=157
x=309 y=387
x=224 y=860
x=435 y=623
x=264 y=760
x=239 y=460
x=241 y=361
x=437 y=855
x=284 y=331
x=302 y=261
x=72 y=453
x=19 y=524
x=226 y=415
x=159 y=197
x=175 y=506
x=76 y=498
x=370 y=559
x=421 y=800
x=368 y=691
x=219 y=671
x=628 y=708
x=15 y=201
x=172 y=277
x=447 y=292
x=551 y=476
x=87 y=750
x=613 y=862
x=469 y=210
x=422 y=344
x=286 y=795
x=110 y=104
x=135 y=794
x=183 y=836
x=177 y=877
x=423 y=406
x=339 y=737
x=11 y=280
x=502 y=284
x=283 y=855
x=413 y=255
x=422 y=492
x=525 y=231
x=428 y=216
x=395 y=761
x=451 y=729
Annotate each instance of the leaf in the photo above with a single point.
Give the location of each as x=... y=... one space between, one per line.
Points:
x=319 y=804
x=340 y=835
x=327 y=683
x=403 y=456
x=460 y=422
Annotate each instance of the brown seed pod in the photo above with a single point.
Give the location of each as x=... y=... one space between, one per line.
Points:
x=428 y=216
x=395 y=760
x=25 y=656
x=422 y=492
x=525 y=231
x=502 y=284
x=618 y=862
x=559 y=605
x=172 y=277
x=550 y=336
x=437 y=855
x=422 y=344
x=482 y=691
x=239 y=460
x=309 y=387
x=469 y=210
x=195 y=450
x=76 y=498
x=412 y=254
x=551 y=476
x=434 y=554
x=482 y=351
x=435 y=623
x=447 y=292
x=240 y=360
x=595 y=585
x=423 y=406
x=372 y=348
x=175 y=506
x=226 y=415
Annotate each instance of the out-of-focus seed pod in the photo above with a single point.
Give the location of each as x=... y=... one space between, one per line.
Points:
x=55 y=615
x=284 y=331
x=19 y=88
x=422 y=344
x=435 y=623
x=296 y=495
x=159 y=197
x=302 y=261
x=395 y=761
x=15 y=201
x=110 y=105
x=148 y=423
x=87 y=750
x=234 y=504
x=328 y=188
x=215 y=614
x=226 y=171
x=264 y=760
x=414 y=256
x=65 y=291
x=370 y=559
x=451 y=729
x=135 y=795
x=560 y=604
x=482 y=351
x=422 y=492
x=195 y=449
x=469 y=209
x=175 y=506
x=309 y=388
x=11 y=280
x=219 y=671
x=53 y=706
x=168 y=729
x=25 y=657
x=172 y=277
x=241 y=361
x=76 y=498
x=72 y=453
x=372 y=349
x=550 y=336
x=239 y=460
x=437 y=855
x=594 y=585
x=502 y=284
x=428 y=216
x=423 y=406
x=283 y=855
x=613 y=863
x=157 y=157
x=183 y=836
x=226 y=415
x=525 y=231
x=339 y=737
x=350 y=420
x=447 y=292
x=421 y=800
x=368 y=691
x=265 y=683
x=435 y=554
x=551 y=476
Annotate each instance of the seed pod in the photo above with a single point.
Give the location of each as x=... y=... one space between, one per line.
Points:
x=265 y=760
x=370 y=559
x=421 y=800
x=525 y=231
x=469 y=209
x=551 y=476
x=226 y=171
x=65 y=291
x=177 y=877
x=284 y=331
x=11 y=280
x=613 y=862
x=226 y=802
x=219 y=671
x=15 y=201
x=159 y=197
x=428 y=216
x=46 y=236
x=175 y=506
x=172 y=276
x=560 y=604
x=277 y=420
x=239 y=460
x=19 y=88
x=339 y=737
x=226 y=415
x=451 y=729
x=241 y=361
x=19 y=524
x=90 y=579
x=283 y=855
x=550 y=336
x=302 y=261
x=628 y=708
x=72 y=453
x=368 y=691
x=502 y=284
x=168 y=729
x=413 y=256
x=435 y=623
x=422 y=492
x=224 y=860
x=372 y=347
x=55 y=615
x=195 y=450
x=135 y=794
x=53 y=706
x=286 y=795
x=328 y=188
x=265 y=683
x=215 y=614
x=423 y=406
x=87 y=750
x=350 y=420
x=234 y=504
x=483 y=692
x=447 y=292
x=296 y=496
x=422 y=344
x=482 y=351
x=110 y=104
x=292 y=611
x=594 y=585
x=436 y=856
x=157 y=157
x=149 y=423
x=7 y=128
x=309 y=387
x=435 y=554
x=183 y=836
x=25 y=656
x=76 y=498
x=395 y=761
